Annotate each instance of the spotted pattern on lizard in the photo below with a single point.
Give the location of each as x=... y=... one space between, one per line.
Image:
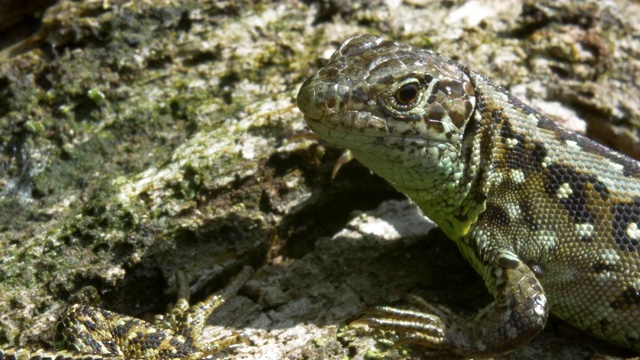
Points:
x=549 y=218
x=88 y=333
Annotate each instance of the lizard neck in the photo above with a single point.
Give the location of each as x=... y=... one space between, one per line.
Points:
x=444 y=192
x=461 y=199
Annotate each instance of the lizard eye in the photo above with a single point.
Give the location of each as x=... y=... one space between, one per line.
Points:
x=407 y=94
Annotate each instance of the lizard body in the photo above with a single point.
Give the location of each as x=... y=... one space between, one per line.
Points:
x=88 y=333
x=549 y=218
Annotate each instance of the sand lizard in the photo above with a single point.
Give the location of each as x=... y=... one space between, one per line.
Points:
x=549 y=218
x=88 y=333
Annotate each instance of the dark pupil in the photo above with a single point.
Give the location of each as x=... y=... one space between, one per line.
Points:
x=407 y=94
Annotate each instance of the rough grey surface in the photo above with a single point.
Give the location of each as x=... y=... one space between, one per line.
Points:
x=139 y=138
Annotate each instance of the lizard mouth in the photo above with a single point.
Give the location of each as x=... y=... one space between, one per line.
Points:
x=347 y=123
x=346 y=131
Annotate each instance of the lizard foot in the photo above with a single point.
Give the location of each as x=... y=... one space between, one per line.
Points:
x=429 y=325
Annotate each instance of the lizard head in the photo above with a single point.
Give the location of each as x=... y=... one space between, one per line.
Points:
x=401 y=111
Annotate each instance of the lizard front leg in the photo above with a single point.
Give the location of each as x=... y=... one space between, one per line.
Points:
x=518 y=313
